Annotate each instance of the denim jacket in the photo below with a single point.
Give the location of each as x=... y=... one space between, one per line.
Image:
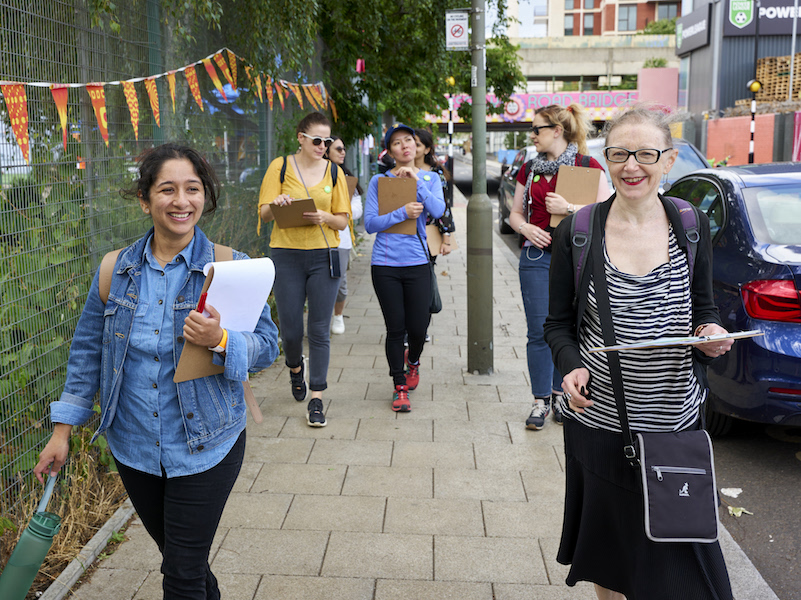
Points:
x=213 y=407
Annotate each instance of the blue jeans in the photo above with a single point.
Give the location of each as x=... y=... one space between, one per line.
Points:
x=534 y=266
x=301 y=277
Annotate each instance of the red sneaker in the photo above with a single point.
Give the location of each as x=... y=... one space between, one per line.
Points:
x=400 y=399
x=412 y=372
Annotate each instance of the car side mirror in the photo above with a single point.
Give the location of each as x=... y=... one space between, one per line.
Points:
x=504 y=168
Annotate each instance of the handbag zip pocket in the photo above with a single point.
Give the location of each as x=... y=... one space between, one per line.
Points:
x=683 y=470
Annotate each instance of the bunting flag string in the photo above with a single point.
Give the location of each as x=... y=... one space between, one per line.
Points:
x=15 y=95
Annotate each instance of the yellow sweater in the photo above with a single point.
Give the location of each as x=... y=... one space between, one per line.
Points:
x=326 y=196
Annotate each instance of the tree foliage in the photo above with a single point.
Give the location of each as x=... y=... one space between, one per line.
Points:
x=660 y=27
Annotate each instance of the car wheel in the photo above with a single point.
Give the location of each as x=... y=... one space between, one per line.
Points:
x=717 y=424
x=503 y=226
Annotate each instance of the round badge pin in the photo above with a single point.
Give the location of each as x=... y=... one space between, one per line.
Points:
x=536 y=178
x=327 y=189
x=427 y=177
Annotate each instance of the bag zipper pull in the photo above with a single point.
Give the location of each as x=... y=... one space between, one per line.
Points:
x=658 y=473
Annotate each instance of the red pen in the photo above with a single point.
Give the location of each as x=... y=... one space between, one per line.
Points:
x=202 y=304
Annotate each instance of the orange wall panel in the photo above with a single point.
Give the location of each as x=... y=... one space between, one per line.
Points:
x=731 y=137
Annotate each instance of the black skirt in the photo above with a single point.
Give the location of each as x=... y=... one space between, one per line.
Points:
x=603 y=536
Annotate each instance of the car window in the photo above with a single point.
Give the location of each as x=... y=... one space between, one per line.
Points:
x=706 y=196
x=518 y=162
x=687 y=161
x=775 y=213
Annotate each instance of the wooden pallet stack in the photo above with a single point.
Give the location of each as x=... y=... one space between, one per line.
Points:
x=774 y=73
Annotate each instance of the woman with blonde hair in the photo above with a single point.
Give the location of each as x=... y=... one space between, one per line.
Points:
x=560 y=135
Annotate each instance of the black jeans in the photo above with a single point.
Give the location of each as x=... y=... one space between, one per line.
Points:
x=181 y=514
x=404 y=294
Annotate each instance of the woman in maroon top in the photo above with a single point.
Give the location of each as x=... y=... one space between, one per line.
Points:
x=560 y=135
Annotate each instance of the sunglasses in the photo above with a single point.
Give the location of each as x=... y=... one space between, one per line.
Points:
x=646 y=156
x=317 y=140
x=536 y=128
x=339 y=148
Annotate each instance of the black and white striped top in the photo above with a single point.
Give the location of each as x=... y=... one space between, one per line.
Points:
x=662 y=392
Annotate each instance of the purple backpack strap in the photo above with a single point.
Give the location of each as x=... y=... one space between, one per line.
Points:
x=689 y=222
x=580 y=238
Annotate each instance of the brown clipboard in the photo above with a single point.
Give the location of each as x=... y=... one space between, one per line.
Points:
x=577 y=185
x=434 y=238
x=394 y=192
x=291 y=215
x=197 y=361
x=352 y=182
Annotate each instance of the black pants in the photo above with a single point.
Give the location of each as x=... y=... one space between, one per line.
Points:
x=181 y=514
x=404 y=294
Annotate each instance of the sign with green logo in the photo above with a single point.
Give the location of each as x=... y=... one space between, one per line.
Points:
x=679 y=37
x=741 y=12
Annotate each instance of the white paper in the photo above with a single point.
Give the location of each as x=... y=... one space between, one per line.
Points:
x=239 y=290
x=667 y=342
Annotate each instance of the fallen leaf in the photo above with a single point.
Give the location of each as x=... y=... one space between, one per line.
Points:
x=737 y=511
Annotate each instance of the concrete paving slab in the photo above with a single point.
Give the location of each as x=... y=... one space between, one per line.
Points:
x=138 y=553
x=399 y=429
x=523 y=519
x=582 y=591
x=256 y=511
x=266 y=551
x=435 y=409
x=496 y=456
x=379 y=555
x=278 y=450
x=444 y=392
x=300 y=479
x=393 y=589
x=337 y=429
x=342 y=452
x=389 y=481
x=336 y=513
x=498 y=411
x=446 y=430
x=497 y=560
x=280 y=587
x=478 y=485
x=457 y=455
x=120 y=584
x=434 y=516
x=247 y=475
x=152 y=588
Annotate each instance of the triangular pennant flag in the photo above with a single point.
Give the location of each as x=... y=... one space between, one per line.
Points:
x=191 y=78
x=232 y=62
x=60 y=97
x=269 y=89
x=314 y=90
x=323 y=94
x=256 y=82
x=17 y=106
x=171 y=82
x=98 y=97
x=133 y=105
x=223 y=66
x=153 y=94
x=214 y=77
x=310 y=97
x=295 y=88
x=279 y=90
x=258 y=88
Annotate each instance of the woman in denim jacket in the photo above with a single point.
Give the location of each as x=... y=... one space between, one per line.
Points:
x=178 y=447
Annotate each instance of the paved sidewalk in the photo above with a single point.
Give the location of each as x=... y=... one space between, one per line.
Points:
x=455 y=499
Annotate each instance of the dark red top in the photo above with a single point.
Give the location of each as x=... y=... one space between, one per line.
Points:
x=541 y=186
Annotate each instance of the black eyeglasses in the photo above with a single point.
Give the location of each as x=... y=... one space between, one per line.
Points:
x=646 y=156
x=317 y=140
x=536 y=128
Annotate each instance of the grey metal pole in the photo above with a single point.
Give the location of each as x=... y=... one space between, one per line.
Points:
x=792 y=50
x=450 y=150
x=479 y=215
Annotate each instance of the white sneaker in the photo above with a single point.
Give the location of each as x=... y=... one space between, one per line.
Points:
x=338 y=324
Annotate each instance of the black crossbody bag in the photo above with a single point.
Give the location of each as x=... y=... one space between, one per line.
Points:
x=677 y=469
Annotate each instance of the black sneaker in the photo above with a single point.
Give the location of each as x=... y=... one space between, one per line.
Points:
x=298 y=382
x=556 y=403
x=539 y=412
x=314 y=413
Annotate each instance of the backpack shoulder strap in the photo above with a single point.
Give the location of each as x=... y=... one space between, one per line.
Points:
x=585 y=160
x=223 y=253
x=283 y=171
x=106 y=271
x=334 y=173
x=689 y=222
x=580 y=239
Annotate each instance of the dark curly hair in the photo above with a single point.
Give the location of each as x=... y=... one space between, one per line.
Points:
x=151 y=161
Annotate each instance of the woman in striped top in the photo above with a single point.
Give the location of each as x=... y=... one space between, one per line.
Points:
x=651 y=294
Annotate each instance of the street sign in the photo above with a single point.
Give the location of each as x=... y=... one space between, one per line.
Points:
x=456 y=37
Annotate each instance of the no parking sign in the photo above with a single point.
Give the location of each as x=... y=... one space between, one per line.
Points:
x=456 y=30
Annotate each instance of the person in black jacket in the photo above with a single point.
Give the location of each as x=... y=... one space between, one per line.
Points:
x=651 y=294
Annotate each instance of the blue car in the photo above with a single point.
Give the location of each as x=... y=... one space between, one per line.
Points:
x=755 y=218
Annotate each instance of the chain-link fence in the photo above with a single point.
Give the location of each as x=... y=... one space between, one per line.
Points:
x=61 y=212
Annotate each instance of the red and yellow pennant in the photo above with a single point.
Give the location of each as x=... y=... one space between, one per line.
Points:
x=171 y=82
x=153 y=94
x=333 y=109
x=256 y=82
x=191 y=78
x=133 y=105
x=17 y=106
x=214 y=77
x=280 y=91
x=223 y=66
x=269 y=88
x=295 y=89
x=232 y=61
x=322 y=94
x=60 y=97
x=310 y=97
x=98 y=97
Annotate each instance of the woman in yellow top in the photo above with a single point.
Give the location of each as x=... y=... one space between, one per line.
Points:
x=303 y=262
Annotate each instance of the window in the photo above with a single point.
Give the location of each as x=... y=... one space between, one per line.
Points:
x=569 y=5
x=589 y=4
x=589 y=19
x=568 y=24
x=627 y=17
x=540 y=8
x=667 y=11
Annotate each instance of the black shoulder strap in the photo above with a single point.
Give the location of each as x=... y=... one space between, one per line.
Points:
x=334 y=173
x=585 y=160
x=283 y=171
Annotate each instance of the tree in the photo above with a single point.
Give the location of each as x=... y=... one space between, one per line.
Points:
x=660 y=27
